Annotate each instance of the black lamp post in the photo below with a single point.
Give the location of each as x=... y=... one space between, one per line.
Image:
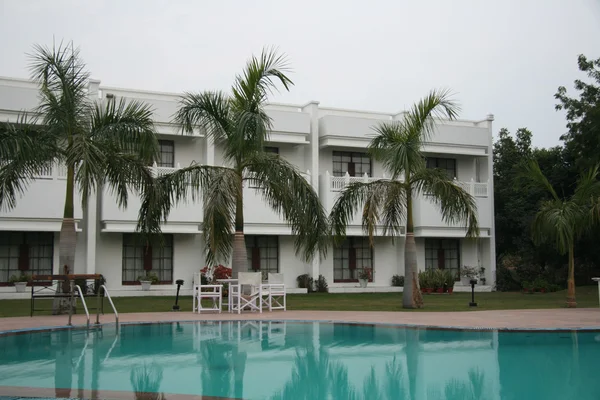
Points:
x=179 y=282
x=472 y=303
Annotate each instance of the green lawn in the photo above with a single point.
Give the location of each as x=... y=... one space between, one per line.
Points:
x=587 y=296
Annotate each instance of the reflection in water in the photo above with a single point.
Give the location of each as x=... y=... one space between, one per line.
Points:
x=265 y=360
x=145 y=380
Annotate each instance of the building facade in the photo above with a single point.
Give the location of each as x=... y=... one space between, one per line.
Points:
x=328 y=145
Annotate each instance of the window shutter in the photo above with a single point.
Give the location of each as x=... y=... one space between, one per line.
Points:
x=24 y=257
x=256 y=258
x=148 y=258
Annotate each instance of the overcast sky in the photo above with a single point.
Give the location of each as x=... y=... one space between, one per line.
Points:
x=505 y=57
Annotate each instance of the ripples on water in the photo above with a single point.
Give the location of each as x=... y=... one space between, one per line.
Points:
x=264 y=360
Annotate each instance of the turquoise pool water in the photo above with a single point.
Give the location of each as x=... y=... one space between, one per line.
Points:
x=269 y=360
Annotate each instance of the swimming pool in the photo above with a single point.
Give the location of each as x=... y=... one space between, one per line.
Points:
x=298 y=360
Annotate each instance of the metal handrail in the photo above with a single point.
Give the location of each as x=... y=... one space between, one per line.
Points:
x=87 y=313
x=112 y=305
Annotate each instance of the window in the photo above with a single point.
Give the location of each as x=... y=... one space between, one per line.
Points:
x=355 y=164
x=350 y=257
x=442 y=254
x=30 y=252
x=263 y=254
x=167 y=153
x=139 y=258
x=445 y=164
x=271 y=149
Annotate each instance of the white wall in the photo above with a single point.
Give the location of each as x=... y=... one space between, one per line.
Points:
x=290 y=265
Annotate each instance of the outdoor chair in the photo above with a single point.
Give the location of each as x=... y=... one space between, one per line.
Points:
x=273 y=292
x=247 y=294
x=209 y=292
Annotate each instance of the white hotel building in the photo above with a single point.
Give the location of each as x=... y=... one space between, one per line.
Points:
x=327 y=144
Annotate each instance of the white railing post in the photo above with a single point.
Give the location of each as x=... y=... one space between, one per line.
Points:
x=178 y=166
x=472 y=187
x=365 y=178
x=155 y=169
x=346 y=179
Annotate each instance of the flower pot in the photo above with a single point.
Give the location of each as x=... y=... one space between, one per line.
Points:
x=542 y=290
x=450 y=290
x=429 y=290
x=440 y=290
x=423 y=290
x=20 y=287
x=146 y=285
x=362 y=283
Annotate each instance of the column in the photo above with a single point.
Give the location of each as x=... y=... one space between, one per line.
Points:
x=90 y=212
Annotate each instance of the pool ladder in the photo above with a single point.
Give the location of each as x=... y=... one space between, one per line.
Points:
x=87 y=313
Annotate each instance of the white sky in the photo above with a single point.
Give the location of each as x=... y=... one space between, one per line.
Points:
x=506 y=57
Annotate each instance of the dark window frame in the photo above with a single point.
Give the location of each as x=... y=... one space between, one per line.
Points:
x=166 y=148
x=437 y=253
x=355 y=263
x=442 y=163
x=26 y=251
x=352 y=159
x=144 y=258
x=261 y=248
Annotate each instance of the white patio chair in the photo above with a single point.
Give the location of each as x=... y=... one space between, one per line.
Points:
x=273 y=292
x=211 y=292
x=247 y=293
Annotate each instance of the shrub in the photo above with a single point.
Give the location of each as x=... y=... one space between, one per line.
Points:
x=365 y=273
x=305 y=281
x=20 y=278
x=219 y=272
x=397 y=280
x=321 y=285
x=150 y=276
x=449 y=278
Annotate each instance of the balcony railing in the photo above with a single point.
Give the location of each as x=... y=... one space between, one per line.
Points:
x=338 y=183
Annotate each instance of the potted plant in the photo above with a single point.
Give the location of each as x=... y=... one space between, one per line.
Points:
x=467 y=274
x=527 y=287
x=482 y=275
x=147 y=280
x=426 y=281
x=20 y=282
x=439 y=279
x=449 y=280
x=364 y=276
x=398 y=280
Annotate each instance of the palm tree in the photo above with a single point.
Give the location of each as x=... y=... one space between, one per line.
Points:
x=100 y=142
x=564 y=221
x=398 y=145
x=239 y=123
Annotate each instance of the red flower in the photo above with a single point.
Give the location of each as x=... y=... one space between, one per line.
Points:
x=219 y=272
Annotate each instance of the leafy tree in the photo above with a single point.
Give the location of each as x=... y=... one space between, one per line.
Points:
x=102 y=142
x=239 y=123
x=398 y=146
x=583 y=115
x=562 y=221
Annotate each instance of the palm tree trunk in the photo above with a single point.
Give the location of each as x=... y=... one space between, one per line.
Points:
x=571 y=302
x=239 y=259
x=67 y=243
x=411 y=297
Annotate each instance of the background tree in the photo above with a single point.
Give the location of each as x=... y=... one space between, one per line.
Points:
x=398 y=146
x=240 y=124
x=101 y=142
x=562 y=221
x=583 y=115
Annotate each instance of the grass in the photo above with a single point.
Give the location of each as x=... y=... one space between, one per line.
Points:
x=587 y=296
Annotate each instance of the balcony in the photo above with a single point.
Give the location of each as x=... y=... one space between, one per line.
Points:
x=186 y=217
x=426 y=214
x=32 y=214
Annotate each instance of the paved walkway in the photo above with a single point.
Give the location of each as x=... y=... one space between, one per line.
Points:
x=508 y=319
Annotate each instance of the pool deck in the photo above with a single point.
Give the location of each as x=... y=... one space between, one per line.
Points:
x=548 y=319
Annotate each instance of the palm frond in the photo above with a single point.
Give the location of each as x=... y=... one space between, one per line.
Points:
x=288 y=193
x=129 y=125
x=27 y=150
x=532 y=177
x=437 y=104
x=63 y=80
x=398 y=148
x=208 y=110
x=557 y=221
x=215 y=185
x=383 y=201
x=456 y=205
